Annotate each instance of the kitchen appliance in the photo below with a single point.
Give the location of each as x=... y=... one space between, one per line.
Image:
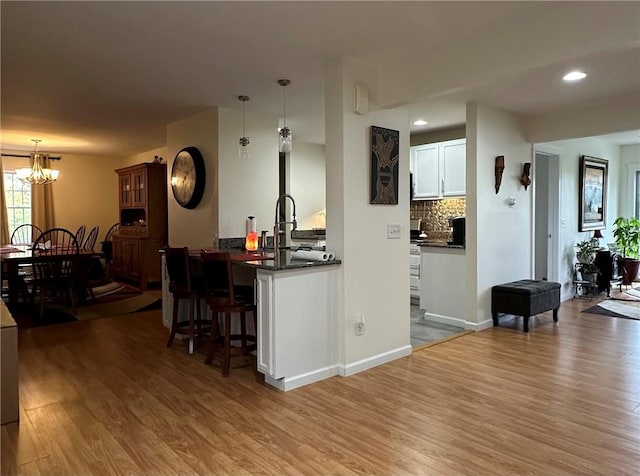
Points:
x=415 y=226
x=458 y=231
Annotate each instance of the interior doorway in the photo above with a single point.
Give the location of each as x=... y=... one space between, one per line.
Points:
x=547 y=219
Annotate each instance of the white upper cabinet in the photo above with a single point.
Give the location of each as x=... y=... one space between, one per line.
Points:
x=439 y=169
x=453 y=169
x=424 y=165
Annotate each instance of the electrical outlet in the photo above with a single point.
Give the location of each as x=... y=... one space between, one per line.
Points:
x=360 y=329
x=393 y=231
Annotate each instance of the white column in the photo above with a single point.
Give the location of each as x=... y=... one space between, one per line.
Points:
x=374 y=282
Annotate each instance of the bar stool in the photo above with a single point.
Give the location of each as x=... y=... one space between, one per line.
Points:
x=223 y=297
x=184 y=286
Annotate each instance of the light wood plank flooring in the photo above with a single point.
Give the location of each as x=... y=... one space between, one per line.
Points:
x=107 y=397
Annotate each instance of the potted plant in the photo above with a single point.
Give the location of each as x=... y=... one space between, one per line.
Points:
x=588 y=272
x=627 y=236
x=586 y=251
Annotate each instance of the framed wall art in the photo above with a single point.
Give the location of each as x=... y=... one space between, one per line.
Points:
x=384 y=166
x=593 y=193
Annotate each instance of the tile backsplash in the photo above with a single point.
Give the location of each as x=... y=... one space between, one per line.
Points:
x=435 y=215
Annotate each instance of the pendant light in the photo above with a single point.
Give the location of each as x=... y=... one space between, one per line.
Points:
x=36 y=174
x=284 y=141
x=243 y=150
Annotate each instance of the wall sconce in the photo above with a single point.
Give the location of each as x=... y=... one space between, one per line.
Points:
x=525 y=178
x=499 y=171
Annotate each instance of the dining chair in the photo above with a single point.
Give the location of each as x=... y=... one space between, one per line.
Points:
x=80 y=234
x=183 y=285
x=223 y=296
x=25 y=234
x=54 y=252
x=107 y=247
x=90 y=242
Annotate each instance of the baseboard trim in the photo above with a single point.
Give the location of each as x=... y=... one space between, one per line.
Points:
x=289 y=383
x=452 y=321
x=478 y=326
x=374 y=361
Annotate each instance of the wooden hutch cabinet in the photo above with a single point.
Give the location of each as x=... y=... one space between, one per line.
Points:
x=142 y=202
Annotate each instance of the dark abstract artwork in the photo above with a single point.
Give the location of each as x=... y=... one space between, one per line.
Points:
x=384 y=166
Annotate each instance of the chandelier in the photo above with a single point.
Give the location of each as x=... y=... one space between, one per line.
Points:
x=284 y=136
x=36 y=174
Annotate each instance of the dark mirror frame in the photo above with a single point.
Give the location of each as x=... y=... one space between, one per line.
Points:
x=592 y=202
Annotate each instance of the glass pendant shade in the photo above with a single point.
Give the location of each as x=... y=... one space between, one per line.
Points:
x=36 y=174
x=284 y=135
x=243 y=150
x=284 y=141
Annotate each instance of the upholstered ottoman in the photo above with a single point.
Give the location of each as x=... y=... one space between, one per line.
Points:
x=525 y=298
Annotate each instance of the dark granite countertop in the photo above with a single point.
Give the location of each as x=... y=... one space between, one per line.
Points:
x=284 y=262
x=437 y=244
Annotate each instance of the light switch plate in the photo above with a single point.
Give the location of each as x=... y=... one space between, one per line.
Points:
x=393 y=231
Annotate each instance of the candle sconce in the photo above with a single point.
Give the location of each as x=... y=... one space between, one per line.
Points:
x=525 y=178
x=499 y=170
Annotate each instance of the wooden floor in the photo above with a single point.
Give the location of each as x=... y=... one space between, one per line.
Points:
x=107 y=397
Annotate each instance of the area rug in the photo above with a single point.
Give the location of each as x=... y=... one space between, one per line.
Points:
x=623 y=309
x=112 y=299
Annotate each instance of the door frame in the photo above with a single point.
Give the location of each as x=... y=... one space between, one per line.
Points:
x=554 y=206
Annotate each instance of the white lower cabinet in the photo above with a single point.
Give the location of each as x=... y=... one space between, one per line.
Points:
x=296 y=325
x=414 y=271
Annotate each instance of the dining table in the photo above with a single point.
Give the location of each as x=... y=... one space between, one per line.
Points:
x=14 y=256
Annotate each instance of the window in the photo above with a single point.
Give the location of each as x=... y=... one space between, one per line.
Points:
x=18 y=197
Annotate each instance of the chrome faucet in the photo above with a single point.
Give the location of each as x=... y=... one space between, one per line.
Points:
x=277 y=228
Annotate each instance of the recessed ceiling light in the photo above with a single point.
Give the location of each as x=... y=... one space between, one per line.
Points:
x=574 y=76
x=420 y=122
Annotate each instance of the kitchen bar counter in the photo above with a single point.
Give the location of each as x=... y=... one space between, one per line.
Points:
x=265 y=259
x=297 y=308
x=284 y=261
x=436 y=244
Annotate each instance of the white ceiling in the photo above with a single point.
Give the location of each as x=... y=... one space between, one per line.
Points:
x=106 y=77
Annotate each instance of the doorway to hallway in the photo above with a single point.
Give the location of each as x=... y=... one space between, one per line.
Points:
x=547 y=219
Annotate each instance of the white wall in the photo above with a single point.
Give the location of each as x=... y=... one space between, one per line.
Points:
x=148 y=156
x=374 y=277
x=629 y=165
x=247 y=187
x=194 y=228
x=582 y=121
x=498 y=236
x=570 y=152
x=307 y=184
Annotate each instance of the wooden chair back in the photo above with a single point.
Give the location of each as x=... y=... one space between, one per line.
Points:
x=56 y=241
x=217 y=276
x=90 y=242
x=80 y=234
x=25 y=234
x=179 y=270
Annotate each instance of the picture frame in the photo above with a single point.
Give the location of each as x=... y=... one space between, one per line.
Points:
x=385 y=153
x=592 y=204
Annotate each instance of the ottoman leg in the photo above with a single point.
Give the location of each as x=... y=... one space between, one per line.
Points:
x=555 y=314
x=526 y=323
x=495 y=319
